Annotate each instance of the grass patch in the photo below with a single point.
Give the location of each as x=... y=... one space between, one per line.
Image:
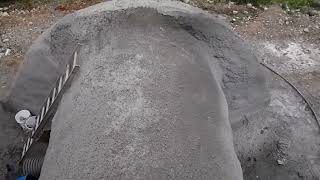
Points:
x=291 y=3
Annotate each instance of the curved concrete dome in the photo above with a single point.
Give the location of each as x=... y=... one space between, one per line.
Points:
x=152 y=95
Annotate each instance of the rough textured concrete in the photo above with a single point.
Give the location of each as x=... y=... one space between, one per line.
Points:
x=47 y=56
x=150 y=100
x=285 y=131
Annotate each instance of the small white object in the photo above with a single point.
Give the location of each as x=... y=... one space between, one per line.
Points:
x=75 y=59
x=4 y=14
x=42 y=114
x=66 y=74
x=5 y=40
x=280 y=161
x=53 y=94
x=31 y=122
x=7 y=53
x=48 y=104
x=60 y=84
x=234 y=12
x=22 y=116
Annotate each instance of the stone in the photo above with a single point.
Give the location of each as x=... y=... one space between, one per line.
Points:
x=280 y=21
x=306 y=30
x=245 y=12
x=186 y=1
x=280 y=161
x=5 y=40
x=249 y=5
x=7 y=53
x=313 y=12
x=285 y=7
x=233 y=20
x=234 y=12
x=230 y=4
x=5 y=14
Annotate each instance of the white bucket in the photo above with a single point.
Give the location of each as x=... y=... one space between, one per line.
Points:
x=22 y=116
x=31 y=122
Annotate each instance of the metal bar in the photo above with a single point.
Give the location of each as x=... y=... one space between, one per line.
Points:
x=56 y=93
x=24 y=150
x=42 y=114
x=297 y=90
x=48 y=104
x=74 y=63
x=53 y=94
x=60 y=84
x=37 y=122
x=66 y=74
x=63 y=81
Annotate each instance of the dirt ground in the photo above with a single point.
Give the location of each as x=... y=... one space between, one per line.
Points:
x=289 y=43
x=20 y=28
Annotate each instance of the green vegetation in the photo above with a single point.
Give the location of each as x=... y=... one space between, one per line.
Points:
x=290 y=3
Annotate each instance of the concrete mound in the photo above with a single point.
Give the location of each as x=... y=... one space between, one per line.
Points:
x=157 y=84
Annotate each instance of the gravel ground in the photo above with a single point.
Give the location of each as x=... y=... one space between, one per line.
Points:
x=289 y=44
x=17 y=32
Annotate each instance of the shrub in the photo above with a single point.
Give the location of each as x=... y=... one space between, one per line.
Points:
x=291 y=3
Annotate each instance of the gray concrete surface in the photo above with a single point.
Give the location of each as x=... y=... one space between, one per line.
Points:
x=284 y=131
x=150 y=100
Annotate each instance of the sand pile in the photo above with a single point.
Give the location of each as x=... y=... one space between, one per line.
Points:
x=157 y=84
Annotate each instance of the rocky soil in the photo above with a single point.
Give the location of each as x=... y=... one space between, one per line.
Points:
x=18 y=29
x=289 y=44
